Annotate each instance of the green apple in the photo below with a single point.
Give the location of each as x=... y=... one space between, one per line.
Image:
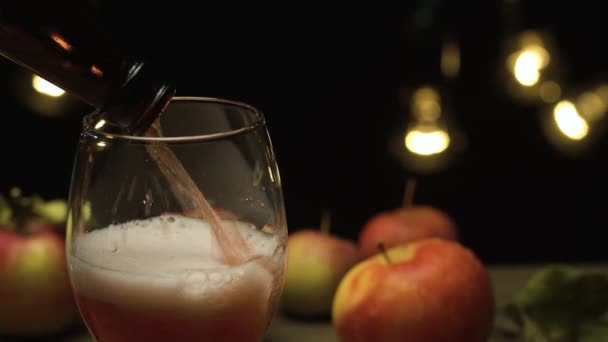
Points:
x=316 y=262
x=55 y=211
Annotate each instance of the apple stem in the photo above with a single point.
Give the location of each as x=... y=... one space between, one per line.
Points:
x=408 y=196
x=382 y=250
x=325 y=224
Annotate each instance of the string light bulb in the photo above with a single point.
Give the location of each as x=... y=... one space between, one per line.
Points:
x=428 y=141
x=575 y=123
x=532 y=72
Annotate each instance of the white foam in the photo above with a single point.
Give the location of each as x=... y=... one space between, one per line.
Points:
x=170 y=261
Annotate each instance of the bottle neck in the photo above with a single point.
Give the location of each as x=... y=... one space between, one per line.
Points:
x=66 y=44
x=132 y=106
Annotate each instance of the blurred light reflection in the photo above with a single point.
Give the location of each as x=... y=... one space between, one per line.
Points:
x=427 y=141
x=569 y=121
x=45 y=87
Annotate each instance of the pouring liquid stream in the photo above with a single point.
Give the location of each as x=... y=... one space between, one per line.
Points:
x=235 y=249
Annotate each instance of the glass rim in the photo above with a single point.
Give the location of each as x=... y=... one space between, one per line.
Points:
x=89 y=126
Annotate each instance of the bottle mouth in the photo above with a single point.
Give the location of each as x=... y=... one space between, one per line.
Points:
x=187 y=119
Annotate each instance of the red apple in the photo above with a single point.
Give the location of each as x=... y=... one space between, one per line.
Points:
x=428 y=290
x=402 y=225
x=35 y=293
x=316 y=262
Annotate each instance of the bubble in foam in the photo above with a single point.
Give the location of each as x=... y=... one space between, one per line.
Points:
x=216 y=278
x=171 y=219
x=195 y=282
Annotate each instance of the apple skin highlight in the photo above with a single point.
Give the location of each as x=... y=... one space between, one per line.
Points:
x=432 y=290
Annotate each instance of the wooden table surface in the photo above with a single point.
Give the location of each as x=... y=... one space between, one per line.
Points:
x=506 y=280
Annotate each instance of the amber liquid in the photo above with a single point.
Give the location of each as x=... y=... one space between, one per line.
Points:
x=113 y=322
x=163 y=280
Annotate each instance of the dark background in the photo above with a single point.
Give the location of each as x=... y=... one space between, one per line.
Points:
x=329 y=79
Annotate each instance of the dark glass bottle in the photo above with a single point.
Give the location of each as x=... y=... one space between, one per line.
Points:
x=64 y=41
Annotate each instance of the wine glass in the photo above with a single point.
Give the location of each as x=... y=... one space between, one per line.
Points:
x=178 y=234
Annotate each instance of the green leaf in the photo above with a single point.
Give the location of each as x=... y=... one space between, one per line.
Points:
x=54 y=211
x=593 y=332
x=561 y=304
x=6 y=212
x=533 y=332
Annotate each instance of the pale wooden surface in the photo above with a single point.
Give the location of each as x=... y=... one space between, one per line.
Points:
x=506 y=280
